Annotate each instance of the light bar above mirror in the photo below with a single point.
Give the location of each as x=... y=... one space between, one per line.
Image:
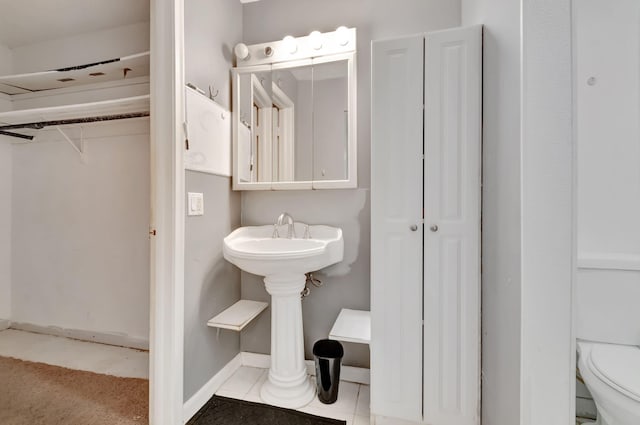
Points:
x=342 y=40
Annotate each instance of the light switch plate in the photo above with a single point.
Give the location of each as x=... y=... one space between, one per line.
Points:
x=195 y=204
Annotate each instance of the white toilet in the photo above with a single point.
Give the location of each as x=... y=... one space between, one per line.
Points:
x=611 y=372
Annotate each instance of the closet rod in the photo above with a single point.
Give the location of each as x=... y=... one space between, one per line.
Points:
x=18 y=135
x=42 y=124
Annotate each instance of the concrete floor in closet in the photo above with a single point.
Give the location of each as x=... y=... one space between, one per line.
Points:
x=74 y=354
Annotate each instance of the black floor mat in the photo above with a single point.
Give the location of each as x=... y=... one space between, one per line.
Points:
x=229 y=411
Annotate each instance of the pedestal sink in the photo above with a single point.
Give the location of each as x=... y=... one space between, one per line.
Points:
x=284 y=262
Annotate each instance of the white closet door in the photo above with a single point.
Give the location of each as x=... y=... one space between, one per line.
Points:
x=396 y=228
x=453 y=84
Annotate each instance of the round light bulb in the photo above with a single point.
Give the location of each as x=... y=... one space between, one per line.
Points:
x=290 y=44
x=342 y=34
x=316 y=40
x=242 y=51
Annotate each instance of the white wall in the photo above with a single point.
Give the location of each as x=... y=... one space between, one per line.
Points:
x=607 y=133
x=211 y=284
x=5 y=228
x=80 y=244
x=501 y=262
x=82 y=48
x=269 y=20
x=528 y=358
x=607 y=42
x=548 y=346
x=6 y=60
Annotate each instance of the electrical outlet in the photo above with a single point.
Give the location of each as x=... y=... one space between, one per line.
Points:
x=195 y=204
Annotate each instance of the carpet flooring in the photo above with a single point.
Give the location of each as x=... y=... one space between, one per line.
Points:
x=229 y=411
x=39 y=394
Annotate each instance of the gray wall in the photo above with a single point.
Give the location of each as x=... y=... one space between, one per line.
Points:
x=501 y=263
x=348 y=285
x=211 y=283
x=212 y=28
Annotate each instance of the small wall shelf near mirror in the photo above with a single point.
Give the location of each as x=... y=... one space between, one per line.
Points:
x=294 y=113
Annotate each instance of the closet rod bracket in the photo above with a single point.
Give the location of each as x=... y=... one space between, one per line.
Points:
x=77 y=146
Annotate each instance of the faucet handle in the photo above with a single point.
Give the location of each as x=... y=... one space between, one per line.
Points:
x=307 y=234
x=275 y=232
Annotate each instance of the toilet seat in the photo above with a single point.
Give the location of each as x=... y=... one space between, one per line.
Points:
x=619 y=367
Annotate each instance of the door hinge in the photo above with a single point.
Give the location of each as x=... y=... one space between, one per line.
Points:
x=152 y=232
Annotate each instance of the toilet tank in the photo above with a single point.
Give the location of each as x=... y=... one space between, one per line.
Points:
x=608 y=305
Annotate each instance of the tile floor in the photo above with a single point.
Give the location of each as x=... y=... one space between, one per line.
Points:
x=352 y=405
x=74 y=354
x=353 y=399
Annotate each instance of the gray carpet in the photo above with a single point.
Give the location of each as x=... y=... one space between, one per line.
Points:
x=39 y=394
x=229 y=411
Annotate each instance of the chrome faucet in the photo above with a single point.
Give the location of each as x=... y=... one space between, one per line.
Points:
x=291 y=231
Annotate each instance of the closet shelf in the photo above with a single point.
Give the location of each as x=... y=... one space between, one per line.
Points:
x=238 y=315
x=76 y=111
x=352 y=326
x=24 y=123
x=114 y=69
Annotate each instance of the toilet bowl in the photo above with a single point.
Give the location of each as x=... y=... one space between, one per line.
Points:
x=612 y=374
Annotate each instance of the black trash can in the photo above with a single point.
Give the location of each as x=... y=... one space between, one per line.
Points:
x=328 y=356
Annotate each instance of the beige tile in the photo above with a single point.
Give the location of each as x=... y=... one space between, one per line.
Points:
x=255 y=389
x=231 y=394
x=361 y=420
x=347 y=398
x=328 y=412
x=362 y=406
x=239 y=384
x=246 y=383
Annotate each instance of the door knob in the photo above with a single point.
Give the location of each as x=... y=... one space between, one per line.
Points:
x=413 y=227
x=434 y=228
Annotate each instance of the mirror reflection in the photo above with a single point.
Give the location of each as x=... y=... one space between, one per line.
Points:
x=330 y=121
x=294 y=123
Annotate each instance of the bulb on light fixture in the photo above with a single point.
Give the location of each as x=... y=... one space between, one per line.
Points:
x=290 y=44
x=342 y=34
x=242 y=51
x=316 y=40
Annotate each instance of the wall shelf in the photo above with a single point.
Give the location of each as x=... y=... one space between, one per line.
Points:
x=25 y=124
x=115 y=69
x=77 y=111
x=238 y=315
x=96 y=78
x=352 y=326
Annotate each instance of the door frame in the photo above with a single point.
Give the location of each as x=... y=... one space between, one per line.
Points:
x=167 y=219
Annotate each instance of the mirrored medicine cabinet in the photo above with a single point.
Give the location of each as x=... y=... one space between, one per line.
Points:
x=294 y=114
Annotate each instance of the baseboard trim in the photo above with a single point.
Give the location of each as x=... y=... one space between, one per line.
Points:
x=203 y=395
x=359 y=375
x=5 y=324
x=99 y=337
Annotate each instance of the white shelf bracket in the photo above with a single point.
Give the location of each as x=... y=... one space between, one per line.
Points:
x=77 y=146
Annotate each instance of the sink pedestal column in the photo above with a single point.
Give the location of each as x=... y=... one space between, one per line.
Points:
x=288 y=384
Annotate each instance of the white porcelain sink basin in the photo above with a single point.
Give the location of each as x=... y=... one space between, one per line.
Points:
x=254 y=250
x=284 y=261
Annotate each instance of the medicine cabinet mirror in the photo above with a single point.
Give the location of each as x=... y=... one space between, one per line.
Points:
x=295 y=120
